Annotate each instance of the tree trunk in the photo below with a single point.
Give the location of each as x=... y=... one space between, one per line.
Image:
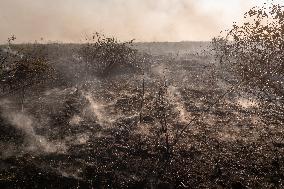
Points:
x=142 y=100
x=23 y=99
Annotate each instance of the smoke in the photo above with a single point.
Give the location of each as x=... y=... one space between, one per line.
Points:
x=27 y=124
x=147 y=20
x=99 y=111
x=75 y=120
x=247 y=103
x=175 y=97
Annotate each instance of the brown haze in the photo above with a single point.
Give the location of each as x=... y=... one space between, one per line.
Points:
x=144 y=20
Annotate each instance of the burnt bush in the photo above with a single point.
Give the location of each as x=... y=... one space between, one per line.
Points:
x=106 y=55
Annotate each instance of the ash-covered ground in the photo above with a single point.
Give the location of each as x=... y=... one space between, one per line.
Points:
x=178 y=121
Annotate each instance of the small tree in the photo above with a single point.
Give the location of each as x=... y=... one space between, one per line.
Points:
x=26 y=67
x=102 y=53
x=254 y=52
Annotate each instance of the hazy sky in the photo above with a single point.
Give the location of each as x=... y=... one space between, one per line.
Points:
x=144 y=20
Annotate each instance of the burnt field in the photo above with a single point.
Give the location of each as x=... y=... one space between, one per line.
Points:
x=172 y=117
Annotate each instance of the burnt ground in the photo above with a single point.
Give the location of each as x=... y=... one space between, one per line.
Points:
x=94 y=133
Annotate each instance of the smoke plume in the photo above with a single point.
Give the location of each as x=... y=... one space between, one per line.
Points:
x=147 y=20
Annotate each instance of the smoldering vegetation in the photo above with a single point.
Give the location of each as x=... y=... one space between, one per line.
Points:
x=107 y=114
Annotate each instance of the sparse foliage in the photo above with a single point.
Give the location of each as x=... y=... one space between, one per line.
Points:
x=26 y=66
x=254 y=53
x=102 y=54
